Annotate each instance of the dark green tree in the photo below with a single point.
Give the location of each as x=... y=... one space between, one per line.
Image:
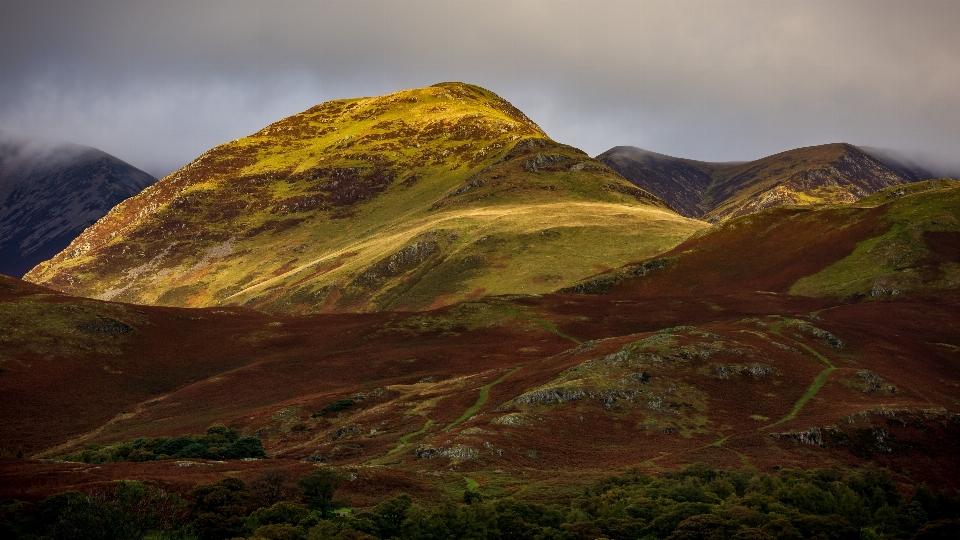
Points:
x=272 y=486
x=318 y=488
x=128 y=513
x=389 y=515
x=218 y=509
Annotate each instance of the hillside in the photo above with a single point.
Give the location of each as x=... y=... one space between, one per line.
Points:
x=900 y=241
x=825 y=174
x=50 y=193
x=532 y=396
x=791 y=338
x=411 y=200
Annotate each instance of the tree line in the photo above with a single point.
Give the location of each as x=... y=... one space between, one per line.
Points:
x=696 y=503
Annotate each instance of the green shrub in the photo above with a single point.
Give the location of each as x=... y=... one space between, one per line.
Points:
x=334 y=406
x=129 y=512
x=695 y=503
x=244 y=447
x=219 y=442
x=281 y=512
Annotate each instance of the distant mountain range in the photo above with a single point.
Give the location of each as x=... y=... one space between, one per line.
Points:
x=825 y=174
x=50 y=193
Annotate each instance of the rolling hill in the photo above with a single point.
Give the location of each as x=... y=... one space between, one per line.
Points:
x=899 y=241
x=412 y=200
x=826 y=174
x=530 y=396
x=50 y=193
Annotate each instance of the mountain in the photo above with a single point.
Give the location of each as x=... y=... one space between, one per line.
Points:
x=826 y=174
x=901 y=241
x=681 y=183
x=411 y=200
x=50 y=193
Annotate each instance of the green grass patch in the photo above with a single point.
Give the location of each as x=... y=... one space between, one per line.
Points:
x=406 y=438
x=889 y=258
x=484 y=394
x=818 y=381
x=472 y=484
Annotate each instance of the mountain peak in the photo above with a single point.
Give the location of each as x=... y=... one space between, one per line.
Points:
x=408 y=200
x=823 y=174
x=50 y=192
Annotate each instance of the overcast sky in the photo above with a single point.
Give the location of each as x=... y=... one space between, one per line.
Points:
x=158 y=82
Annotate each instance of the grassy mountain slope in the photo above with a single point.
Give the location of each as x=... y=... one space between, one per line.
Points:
x=410 y=200
x=816 y=175
x=50 y=193
x=918 y=253
x=901 y=239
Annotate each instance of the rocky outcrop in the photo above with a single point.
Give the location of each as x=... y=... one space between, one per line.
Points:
x=404 y=260
x=755 y=370
x=831 y=339
x=812 y=436
x=454 y=452
x=873 y=383
x=550 y=395
x=603 y=283
x=539 y=161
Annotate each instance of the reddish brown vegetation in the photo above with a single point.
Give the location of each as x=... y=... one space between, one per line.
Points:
x=888 y=395
x=769 y=251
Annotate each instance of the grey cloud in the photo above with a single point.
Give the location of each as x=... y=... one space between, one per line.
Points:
x=158 y=83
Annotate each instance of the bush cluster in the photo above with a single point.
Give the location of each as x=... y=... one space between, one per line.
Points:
x=334 y=406
x=219 y=442
x=698 y=503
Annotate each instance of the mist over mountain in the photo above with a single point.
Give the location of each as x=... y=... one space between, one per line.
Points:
x=51 y=192
x=920 y=165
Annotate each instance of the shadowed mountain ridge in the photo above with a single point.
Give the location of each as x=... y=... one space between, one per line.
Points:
x=50 y=193
x=824 y=174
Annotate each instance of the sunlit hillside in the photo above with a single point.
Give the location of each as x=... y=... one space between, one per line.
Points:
x=411 y=200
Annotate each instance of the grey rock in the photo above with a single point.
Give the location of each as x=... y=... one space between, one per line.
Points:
x=812 y=436
x=455 y=452
x=550 y=395
x=539 y=161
